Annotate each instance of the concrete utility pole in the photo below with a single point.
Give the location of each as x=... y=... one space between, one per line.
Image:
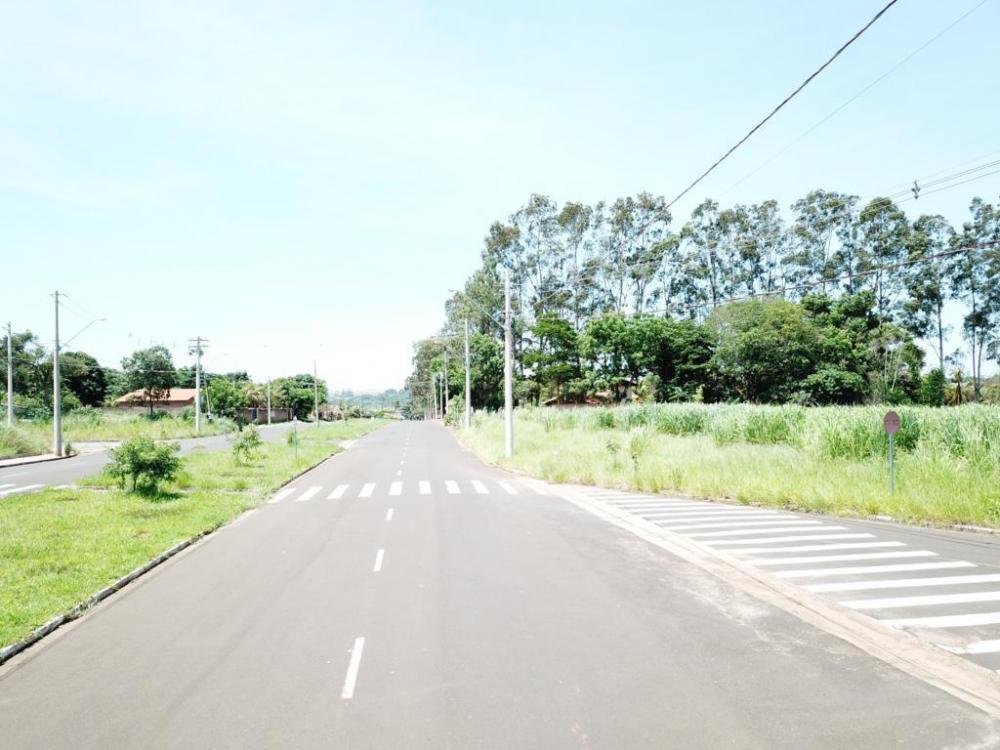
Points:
x=269 y=400
x=57 y=442
x=445 y=376
x=10 y=377
x=315 y=394
x=468 y=380
x=508 y=370
x=197 y=346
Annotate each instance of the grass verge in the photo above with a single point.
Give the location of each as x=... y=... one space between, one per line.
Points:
x=57 y=547
x=932 y=487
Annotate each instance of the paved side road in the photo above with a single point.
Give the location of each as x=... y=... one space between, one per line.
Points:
x=32 y=477
x=404 y=595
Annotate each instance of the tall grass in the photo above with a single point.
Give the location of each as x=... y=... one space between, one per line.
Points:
x=831 y=459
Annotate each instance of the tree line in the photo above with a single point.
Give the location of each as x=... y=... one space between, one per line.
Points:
x=823 y=303
x=151 y=371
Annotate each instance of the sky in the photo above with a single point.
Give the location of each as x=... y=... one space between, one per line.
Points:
x=305 y=181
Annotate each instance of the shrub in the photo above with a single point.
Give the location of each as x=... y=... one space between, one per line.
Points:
x=247 y=445
x=144 y=464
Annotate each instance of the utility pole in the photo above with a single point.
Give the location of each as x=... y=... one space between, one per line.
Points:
x=508 y=370
x=468 y=380
x=269 y=399
x=57 y=443
x=315 y=394
x=196 y=348
x=10 y=377
x=444 y=406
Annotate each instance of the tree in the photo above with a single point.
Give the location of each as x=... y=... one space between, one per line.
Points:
x=764 y=349
x=820 y=219
x=883 y=233
x=84 y=377
x=152 y=372
x=926 y=281
x=225 y=397
x=554 y=360
x=296 y=393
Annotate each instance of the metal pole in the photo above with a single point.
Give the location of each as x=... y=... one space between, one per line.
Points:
x=445 y=376
x=508 y=370
x=892 y=466
x=468 y=380
x=269 y=400
x=315 y=394
x=10 y=378
x=57 y=442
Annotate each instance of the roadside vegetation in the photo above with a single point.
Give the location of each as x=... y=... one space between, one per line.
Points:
x=57 y=547
x=824 y=459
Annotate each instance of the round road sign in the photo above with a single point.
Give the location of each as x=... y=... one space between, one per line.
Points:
x=891 y=422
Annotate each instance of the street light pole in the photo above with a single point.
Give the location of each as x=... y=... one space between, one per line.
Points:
x=468 y=380
x=10 y=377
x=57 y=443
x=315 y=394
x=445 y=376
x=508 y=370
x=269 y=399
x=197 y=346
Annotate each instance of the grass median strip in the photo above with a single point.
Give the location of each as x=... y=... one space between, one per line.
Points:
x=827 y=460
x=57 y=547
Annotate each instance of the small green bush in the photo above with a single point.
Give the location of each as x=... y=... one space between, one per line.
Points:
x=247 y=445
x=144 y=464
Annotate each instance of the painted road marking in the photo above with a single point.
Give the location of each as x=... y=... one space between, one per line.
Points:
x=396 y=488
x=351 y=678
x=308 y=494
x=858 y=569
x=479 y=487
x=339 y=492
x=378 y=560
x=806 y=559
x=367 y=490
x=388 y=514
x=800 y=538
x=507 y=487
x=425 y=488
x=22 y=488
x=802 y=526
x=903 y=583
x=734 y=524
x=815 y=547
x=279 y=496
x=976 y=647
x=923 y=601
x=947 y=621
x=451 y=486
x=700 y=515
x=5 y=486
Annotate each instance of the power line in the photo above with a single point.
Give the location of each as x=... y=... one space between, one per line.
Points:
x=784 y=101
x=855 y=97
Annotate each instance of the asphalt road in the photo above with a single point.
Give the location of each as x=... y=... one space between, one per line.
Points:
x=32 y=477
x=404 y=595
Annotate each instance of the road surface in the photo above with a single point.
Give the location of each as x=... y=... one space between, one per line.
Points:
x=404 y=595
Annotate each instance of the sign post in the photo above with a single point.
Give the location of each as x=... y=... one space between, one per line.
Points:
x=891 y=424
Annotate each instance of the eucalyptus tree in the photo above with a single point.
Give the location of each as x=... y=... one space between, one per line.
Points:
x=883 y=234
x=926 y=281
x=820 y=220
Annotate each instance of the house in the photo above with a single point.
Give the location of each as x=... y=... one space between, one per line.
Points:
x=175 y=400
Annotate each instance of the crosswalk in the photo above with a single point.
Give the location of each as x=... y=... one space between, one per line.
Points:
x=954 y=603
x=364 y=490
x=9 y=488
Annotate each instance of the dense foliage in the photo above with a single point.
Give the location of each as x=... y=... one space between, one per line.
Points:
x=836 y=302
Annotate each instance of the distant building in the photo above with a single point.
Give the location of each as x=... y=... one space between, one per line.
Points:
x=175 y=400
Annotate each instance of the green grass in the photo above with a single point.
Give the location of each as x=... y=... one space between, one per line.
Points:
x=829 y=460
x=32 y=438
x=58 y=547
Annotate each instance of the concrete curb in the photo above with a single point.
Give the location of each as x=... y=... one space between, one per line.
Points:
x=9 y=652
x=40 y=460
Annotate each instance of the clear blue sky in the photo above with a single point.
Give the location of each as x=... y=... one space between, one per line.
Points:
x=297 y=180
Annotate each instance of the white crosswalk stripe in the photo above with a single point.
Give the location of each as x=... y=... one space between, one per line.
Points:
x=507 y=487
x=896 y=602
x=798 y=538
x=308 y=495
x=451 y=486
x=806 y=559
x=396 y=488
x=736 y=524
x=367 y=490
x=903 y=583
x=802 y=526
x=852 y=570
x=425 y=487
x=338 y=492
x=281 y=495
x=479 y=487
x=815 y=547
x=948 y=621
